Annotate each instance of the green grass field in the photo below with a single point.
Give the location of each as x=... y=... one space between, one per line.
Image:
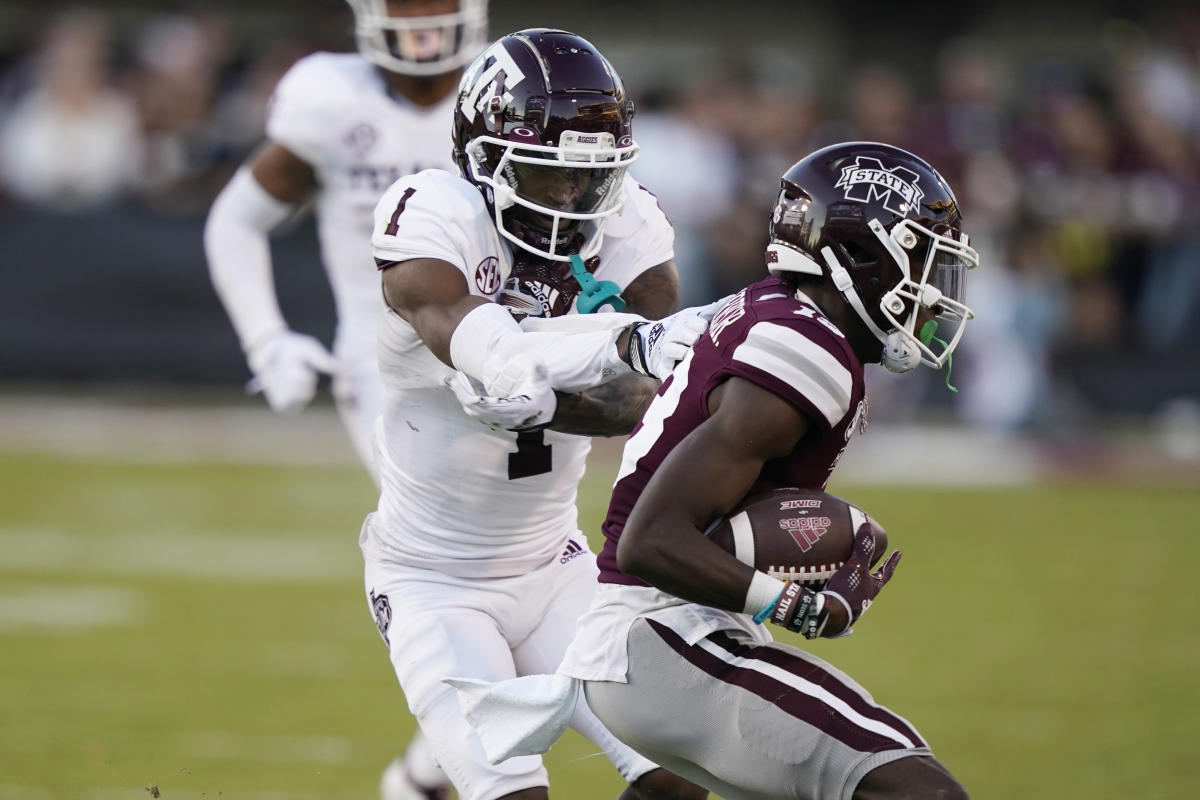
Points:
x=201 y=629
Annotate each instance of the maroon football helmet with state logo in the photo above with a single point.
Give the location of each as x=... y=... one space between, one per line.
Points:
x=542 y=127
x=884 y=226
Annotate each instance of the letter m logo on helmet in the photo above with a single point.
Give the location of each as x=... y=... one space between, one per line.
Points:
x=896 y=189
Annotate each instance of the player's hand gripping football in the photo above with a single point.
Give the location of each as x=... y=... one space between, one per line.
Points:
x=853 y=587
x=285 y=366
x=528 y=405
x=655 y=347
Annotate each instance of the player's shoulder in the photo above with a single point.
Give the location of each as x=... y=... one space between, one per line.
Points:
x=323 y=77
x=771 y=333
x=639 y=209
x=431 y=214
x=436 y=191
x=771 y=304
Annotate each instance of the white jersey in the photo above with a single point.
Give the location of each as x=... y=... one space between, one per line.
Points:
x=457 y=496
x=335 y=112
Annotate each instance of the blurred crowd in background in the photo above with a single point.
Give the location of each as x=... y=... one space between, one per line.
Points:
x=1079 y=179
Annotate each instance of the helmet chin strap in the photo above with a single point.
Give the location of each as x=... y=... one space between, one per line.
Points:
x=900 y=353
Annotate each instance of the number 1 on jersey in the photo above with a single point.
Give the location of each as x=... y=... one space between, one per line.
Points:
x=394 y=223
x=532 y=456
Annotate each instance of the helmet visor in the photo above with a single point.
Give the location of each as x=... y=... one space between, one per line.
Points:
x=574 y=190
x=948 y=274
x=553 y=187
x=579 y=179
x=949 y=257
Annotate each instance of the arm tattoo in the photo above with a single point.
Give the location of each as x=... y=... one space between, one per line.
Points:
x=610 y=409
x=614 y=408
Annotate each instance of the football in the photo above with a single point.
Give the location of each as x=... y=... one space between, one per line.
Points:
x=794 y=534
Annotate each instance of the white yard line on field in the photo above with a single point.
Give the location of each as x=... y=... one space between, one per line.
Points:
x=165 y=432
x=257 y=749
x=182 y=554
x=65 y=607
x=181 y=431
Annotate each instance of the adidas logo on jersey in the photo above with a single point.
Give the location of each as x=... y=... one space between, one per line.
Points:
x=573 y=549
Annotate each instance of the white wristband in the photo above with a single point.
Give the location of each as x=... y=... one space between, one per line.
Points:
x=762 y=593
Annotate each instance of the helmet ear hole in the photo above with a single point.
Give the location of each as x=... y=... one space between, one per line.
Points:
x=857 y=255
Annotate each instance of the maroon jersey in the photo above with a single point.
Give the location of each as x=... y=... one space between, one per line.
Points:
x=778 y=339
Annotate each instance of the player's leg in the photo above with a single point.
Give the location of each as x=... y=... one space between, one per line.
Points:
x=414 y=774
x=910 y=779
x=746 y=720
x=433 y=629
x=567 y=586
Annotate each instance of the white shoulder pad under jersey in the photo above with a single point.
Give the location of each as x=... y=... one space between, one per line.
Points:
x=436 y=214
x=313 y=100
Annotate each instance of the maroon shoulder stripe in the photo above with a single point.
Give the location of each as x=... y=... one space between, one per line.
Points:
x=806 y=708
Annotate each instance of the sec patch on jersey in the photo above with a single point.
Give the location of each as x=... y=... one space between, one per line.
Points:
x=794 y=534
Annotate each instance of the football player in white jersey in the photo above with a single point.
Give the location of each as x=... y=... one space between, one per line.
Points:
x=341 y=128
x=503 y=279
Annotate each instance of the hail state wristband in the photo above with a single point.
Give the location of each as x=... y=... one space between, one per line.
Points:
x=800 y=610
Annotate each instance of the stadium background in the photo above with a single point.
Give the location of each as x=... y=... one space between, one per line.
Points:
x=179 y=586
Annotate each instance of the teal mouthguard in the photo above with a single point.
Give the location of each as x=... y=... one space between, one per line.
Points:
x=594 y=293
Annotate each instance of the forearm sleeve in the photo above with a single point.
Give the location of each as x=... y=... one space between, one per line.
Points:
x=239 y=256
x=577 y=355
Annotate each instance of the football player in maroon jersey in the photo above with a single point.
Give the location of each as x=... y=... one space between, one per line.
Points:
x=867 y=259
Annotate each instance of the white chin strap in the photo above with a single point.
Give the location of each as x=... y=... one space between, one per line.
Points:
x=900 y=351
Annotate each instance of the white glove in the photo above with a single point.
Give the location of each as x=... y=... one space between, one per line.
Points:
x=531 y=404
x=285 y=367
x=655 y=347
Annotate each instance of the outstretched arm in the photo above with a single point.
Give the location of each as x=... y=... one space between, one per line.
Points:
x=481 y=339
x=432 y=296
x=611 y=409
x=614 y=408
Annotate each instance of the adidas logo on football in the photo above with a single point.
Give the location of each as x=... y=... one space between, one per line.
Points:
x=573 y=549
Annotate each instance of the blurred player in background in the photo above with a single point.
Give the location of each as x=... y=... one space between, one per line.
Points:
x=867 y=255
x=474 y=563
x=342 y=127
